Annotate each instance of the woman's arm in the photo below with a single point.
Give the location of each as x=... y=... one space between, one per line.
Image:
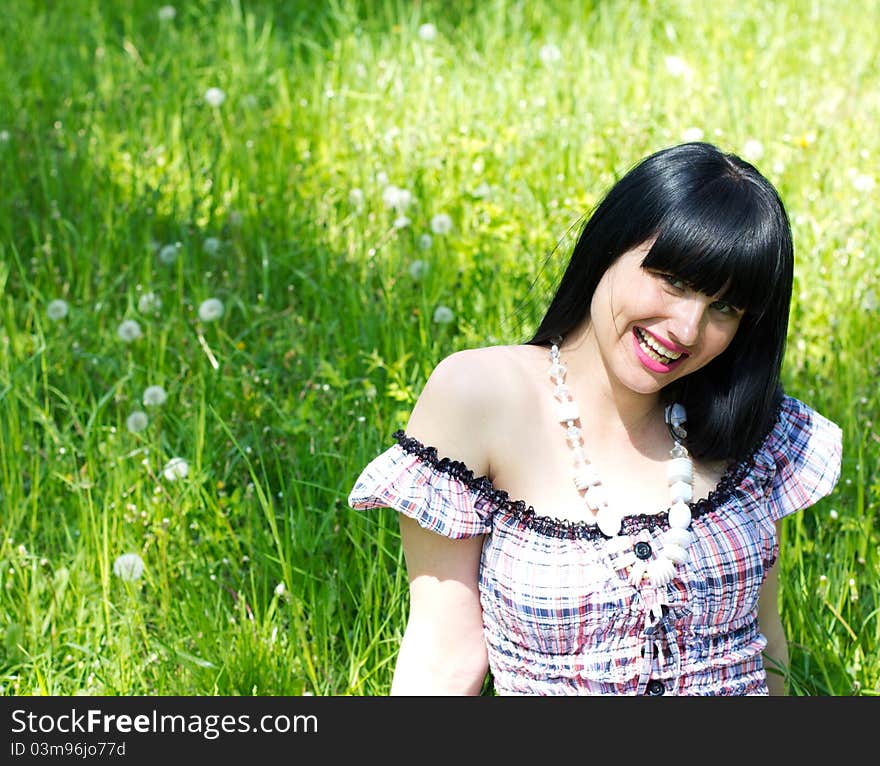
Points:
x=443 y=650
x=770 y=624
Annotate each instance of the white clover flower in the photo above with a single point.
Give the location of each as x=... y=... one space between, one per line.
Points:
x=168 y=254
x=215 y=97
x=549 y=54
x=428 y=32
x=753 y=149
x=401 y=222
x=678 y=67
x=443 y=315
x=396 y=198
x=129 y=330
x=4 y=136
x=211 y=245
x=418 y=269
x=441 y=224
x=176 y=468
x=692 y=134
x=137 y=421
x=167 y=13
x=128 y=567
x=211 y=309
x=863 y=182
x=149 y=302
x=356 y=199
x=154 y=396
x=57 y=309
x=425 y=242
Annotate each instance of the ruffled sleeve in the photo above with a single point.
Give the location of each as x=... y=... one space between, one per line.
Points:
x=801 y=458
x=442 y=495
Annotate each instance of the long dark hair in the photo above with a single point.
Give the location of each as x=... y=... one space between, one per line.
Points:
x=716 y=220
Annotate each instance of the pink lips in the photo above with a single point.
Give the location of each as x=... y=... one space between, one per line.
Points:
x=653 y=364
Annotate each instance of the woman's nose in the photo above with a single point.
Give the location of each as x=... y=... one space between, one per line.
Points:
x=687 y=320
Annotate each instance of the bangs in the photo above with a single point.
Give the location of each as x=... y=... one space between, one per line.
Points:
x=723 y=244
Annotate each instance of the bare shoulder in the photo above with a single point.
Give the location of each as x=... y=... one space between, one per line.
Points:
x=460 y=404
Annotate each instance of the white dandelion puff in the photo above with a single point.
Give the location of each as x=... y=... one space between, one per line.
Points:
x=425 y=242
x=401 y=222
x=692 y=134
x=137 y=421
x=176 y=468
x=482 y=191
x=167 y=13
x=128 y=567
x=356 y=199
x=154 y=396
x=396 y=198
x=833 y=514
x=418 y=269
x=441 y=224
x=428 y=32
x=149 y=302
x=863 y=182
x=168 y=254
x=443 y=315
x=211 y=309
x=215 y=97
x=382 y=178
x=129 y=330
x=57 y=309
x=280 y=590
x=869 y=301
x=550 y=54
x=677 y=66
x=211 y=245
x=753 y=149
x=4 y=136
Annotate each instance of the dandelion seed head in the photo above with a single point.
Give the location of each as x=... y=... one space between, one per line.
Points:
x=4 y=136
x=176 y=468
x=154 y=396
x=137 y=421
x=862 y=182
x=550 y=54
x=215 y=97
x=396 y=198
x=148 y=303
x=168 y=254
x=443 y=315
x=753 y=150
x=482 y=191
x=356 y=199
x=441 y=224
x=211 y=310
x=401 y=222
x=167 y=13
x=57 y=309
x=425 y=241
x=833 y=514
x=428 y=32
x=418 y=269
x=677 y=66
x=211 y=245
x=280 y=590
x=692 y=134
x=129 y=330
x=128 y=567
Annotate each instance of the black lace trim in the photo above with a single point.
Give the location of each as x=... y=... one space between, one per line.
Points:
x=565 y=528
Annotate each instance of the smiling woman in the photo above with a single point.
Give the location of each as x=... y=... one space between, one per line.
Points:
x=646 y=425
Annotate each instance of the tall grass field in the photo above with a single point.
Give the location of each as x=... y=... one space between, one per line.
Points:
x=236 y=238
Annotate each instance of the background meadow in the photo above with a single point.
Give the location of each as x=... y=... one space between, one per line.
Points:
x=236 y=237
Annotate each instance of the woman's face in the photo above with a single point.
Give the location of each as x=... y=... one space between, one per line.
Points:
x=651 y=329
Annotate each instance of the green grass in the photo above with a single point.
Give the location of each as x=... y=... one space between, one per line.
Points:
x=109 y=152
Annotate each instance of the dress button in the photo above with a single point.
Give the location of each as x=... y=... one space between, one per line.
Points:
x=642 y=550
x=655 y=688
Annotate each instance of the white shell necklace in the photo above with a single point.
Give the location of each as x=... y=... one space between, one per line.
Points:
x=679 y=472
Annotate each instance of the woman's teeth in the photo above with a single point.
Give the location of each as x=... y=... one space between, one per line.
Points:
x=655 y=350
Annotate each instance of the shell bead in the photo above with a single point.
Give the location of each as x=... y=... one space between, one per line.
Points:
x=557 y=370
x=675 y=553
x=568 y=411
x=677 y=536
x=680 y=469
x=609 y=521
x=596 y=497
x=680 y=516
x=562 y=392
x=681 y=492
x=585 y=476
x=661 y=571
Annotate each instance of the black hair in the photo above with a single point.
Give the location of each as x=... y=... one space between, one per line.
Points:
x=720 y=226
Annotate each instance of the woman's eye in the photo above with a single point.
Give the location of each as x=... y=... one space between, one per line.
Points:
x=674 y=282
x=726 y=308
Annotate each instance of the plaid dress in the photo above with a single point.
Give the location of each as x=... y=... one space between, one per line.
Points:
x=559 y=616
